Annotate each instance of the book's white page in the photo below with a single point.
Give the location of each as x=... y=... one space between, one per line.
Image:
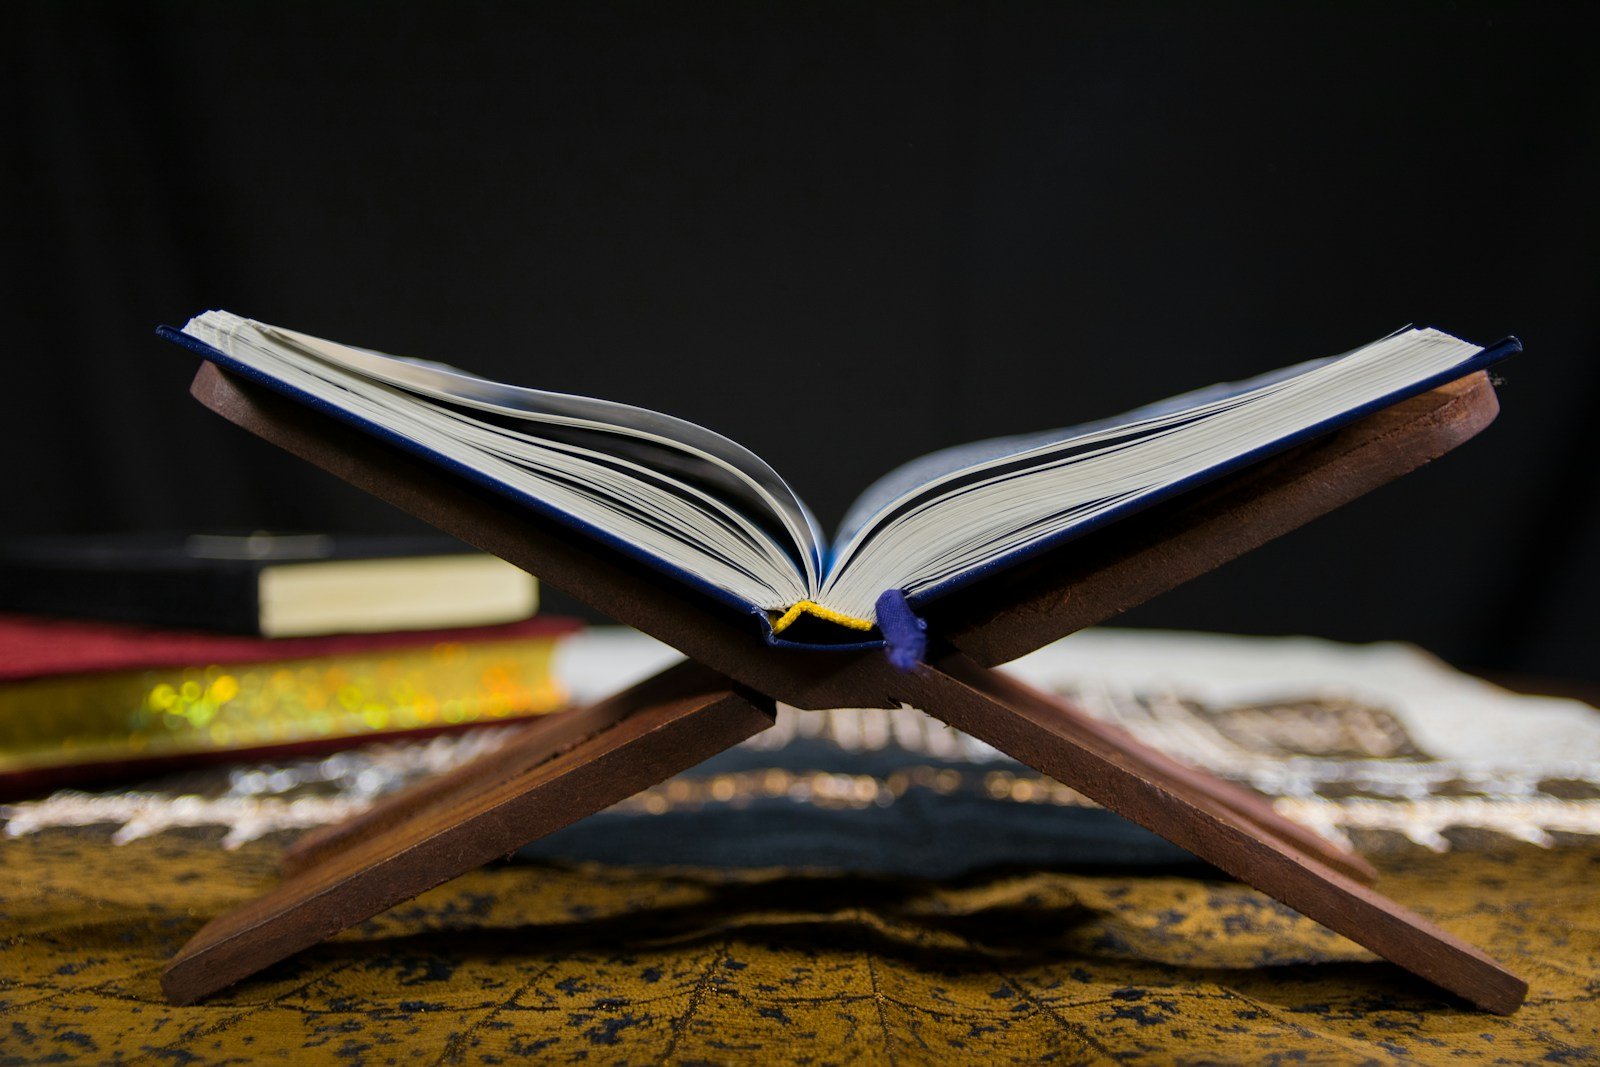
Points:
x=679 y=446
x=933 y=470
x=968 y=518
x=715 y=514
x=701 y=533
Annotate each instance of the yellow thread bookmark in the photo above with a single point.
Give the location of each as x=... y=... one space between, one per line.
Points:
x=811 y=607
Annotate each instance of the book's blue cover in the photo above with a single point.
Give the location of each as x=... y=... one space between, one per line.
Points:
x=759 y=617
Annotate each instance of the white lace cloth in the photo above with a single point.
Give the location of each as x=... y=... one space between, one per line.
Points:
x=1345 y=738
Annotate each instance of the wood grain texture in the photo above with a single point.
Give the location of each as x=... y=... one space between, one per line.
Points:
x=478 y=819
x=1135 y=560
x=1007 y=616
x=1115 y=743
x=530 y=746
x=971 y=699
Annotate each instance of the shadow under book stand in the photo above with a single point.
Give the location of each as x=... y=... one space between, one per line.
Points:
x=559 y=769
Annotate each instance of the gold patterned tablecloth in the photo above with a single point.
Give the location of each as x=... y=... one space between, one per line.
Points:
x=611 y=965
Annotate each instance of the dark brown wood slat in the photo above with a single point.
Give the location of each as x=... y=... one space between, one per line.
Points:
x=396 y=859
x=448 y=826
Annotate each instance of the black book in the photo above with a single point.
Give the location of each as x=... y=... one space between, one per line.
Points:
x=273 y=585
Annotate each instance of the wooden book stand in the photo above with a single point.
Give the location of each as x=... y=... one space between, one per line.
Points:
x=562 y=768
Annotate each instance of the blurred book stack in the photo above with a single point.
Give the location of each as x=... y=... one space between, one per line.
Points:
x=121 y=656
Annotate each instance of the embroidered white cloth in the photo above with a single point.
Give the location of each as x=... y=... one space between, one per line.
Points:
x=1354 y=741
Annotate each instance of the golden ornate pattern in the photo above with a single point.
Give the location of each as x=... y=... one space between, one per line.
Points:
x=132 y=715
x=610 y=965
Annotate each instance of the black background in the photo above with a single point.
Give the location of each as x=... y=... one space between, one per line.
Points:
x=844 y=235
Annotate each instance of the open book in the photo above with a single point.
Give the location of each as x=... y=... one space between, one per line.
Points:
x=708 y=512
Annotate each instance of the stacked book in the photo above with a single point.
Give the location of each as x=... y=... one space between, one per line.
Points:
x=127 y=655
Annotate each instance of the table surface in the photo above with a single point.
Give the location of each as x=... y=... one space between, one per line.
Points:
x=610 y=964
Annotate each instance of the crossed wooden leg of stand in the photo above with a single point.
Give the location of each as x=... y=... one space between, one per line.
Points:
x=563 y=768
